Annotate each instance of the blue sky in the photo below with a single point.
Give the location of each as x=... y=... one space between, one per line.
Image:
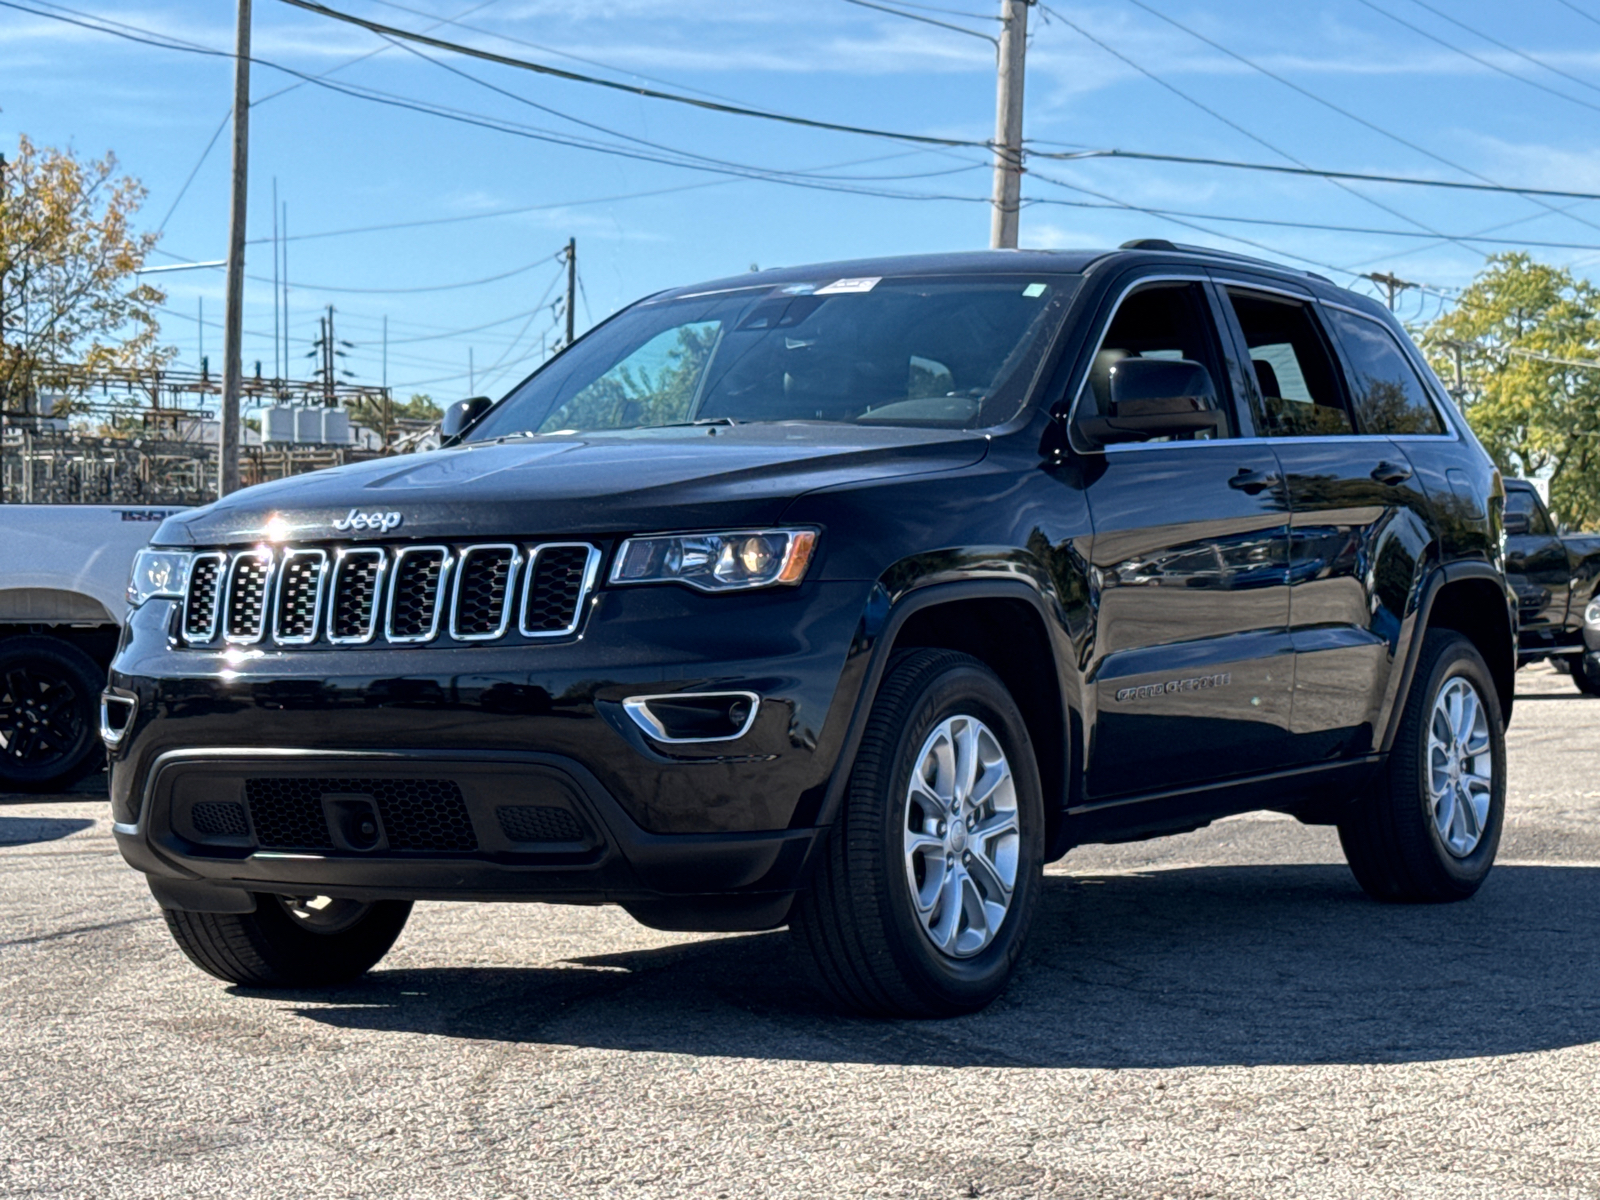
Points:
x=1451 y=106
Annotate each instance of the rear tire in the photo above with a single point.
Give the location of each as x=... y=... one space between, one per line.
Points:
x=49 y=714
x=928 y=881
x=1429 y=833
x=273 y=947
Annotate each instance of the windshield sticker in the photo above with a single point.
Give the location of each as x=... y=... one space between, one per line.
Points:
x=843 y=287
x=797 y=289
x=1034 y=290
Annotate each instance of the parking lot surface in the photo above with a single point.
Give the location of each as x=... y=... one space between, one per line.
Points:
x=1221 y=1014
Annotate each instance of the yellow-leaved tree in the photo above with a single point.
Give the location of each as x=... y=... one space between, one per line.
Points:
x=1528 y=336
x=69 y=288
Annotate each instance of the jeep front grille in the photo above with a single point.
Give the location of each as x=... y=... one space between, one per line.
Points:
x=203 y=602
x=559 y=576
x=300 y=595
x=419 y=578
x=303 y=596
x=245 y=615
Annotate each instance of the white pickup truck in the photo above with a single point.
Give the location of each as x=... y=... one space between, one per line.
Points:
x=63 y=575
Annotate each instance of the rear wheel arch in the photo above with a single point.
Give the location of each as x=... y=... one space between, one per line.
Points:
x=1475 y=606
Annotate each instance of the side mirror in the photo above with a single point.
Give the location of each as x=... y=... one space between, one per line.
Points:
x=460 y=415
x=1154 y=397
x=1516 y=524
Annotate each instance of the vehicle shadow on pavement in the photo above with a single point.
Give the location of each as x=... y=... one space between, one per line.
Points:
x=21 y=831
x=1188 y=967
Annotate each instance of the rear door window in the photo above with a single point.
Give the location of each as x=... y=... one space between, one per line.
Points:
x=1297 y=392
x=1389 y=397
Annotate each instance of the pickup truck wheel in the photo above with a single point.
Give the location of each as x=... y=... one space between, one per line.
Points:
x=1431 y=832
x=49 y=714
x=1586 y=677
x=291 y=941
x=928 y=882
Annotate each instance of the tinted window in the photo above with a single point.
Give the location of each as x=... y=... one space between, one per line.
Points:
x=1389 y=398
x=956 y=351
x=1297 y=393
x=1161 y=321
x=1519 y=501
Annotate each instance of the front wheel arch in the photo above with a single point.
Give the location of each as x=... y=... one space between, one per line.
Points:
x=961 y=616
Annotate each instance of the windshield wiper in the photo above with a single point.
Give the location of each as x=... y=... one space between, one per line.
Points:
x=696 y=421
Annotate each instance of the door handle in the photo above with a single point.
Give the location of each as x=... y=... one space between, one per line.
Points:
x=1254 y=482
x=1391 y=473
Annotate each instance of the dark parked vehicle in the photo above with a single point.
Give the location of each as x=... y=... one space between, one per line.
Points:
x=1554 y=574
x=843 y=597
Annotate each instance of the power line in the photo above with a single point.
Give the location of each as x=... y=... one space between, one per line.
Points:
x=1344 y=112
x=1510 y=49
x=702 y=158
x=1477 y=58
x=895 y=12
x=1320 y=227
x=1413 y=181
x=1579 y=11
x=1232 y=124
x=650 y=93
x=533 y=133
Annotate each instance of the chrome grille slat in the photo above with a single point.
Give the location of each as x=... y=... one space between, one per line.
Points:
x=486 y=577
x=560 y=576
x=202 y=604
x=298 y=603
x=357 y=594
x=416 y=591
x=245 y=601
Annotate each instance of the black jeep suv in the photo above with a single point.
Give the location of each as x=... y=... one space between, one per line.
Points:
x=844 y=597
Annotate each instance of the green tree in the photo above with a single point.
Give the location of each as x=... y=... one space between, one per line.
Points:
x=69 y=288
x=1533 y=413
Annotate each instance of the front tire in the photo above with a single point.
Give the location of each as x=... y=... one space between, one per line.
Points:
x=1586 y=677
x=307 y=941
x=928 y=882
x=1431 y=833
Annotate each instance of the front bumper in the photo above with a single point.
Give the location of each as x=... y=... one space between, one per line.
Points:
x=711 y=836
x=716 y=881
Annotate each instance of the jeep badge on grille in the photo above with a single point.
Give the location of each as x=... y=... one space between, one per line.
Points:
x=373 y=520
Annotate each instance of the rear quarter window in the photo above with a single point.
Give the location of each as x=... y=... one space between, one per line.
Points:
x=1388 y=395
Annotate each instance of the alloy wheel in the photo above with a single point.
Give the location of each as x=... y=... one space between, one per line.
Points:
x=1460 y=767
x=961 y=836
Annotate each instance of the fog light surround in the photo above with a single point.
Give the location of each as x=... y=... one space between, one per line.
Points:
x=678 y=718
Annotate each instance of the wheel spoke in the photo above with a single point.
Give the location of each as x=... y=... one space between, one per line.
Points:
x=17 y=685
x=966 y=761
x=988 y=880
x=992 y=779
x=944 y=933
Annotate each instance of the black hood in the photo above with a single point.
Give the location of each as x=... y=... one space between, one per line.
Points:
x=594 y=484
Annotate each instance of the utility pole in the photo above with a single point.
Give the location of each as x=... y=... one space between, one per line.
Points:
x=1013 y=52
x=285 y=289
x=1392 y=284
x=277 y=341
x=572 y=284
x=472 y=375
x=233 y=322
x=200 y=317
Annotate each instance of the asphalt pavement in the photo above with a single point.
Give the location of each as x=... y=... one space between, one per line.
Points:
x=1221 y=1014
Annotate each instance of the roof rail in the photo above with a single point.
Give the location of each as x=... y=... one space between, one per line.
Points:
x=1180 y=248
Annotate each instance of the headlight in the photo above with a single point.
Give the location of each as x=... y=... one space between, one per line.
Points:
x=158 y=573
x=718 y=562
x=1591 y=615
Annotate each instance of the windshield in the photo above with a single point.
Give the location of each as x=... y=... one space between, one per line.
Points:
x=948 y=351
